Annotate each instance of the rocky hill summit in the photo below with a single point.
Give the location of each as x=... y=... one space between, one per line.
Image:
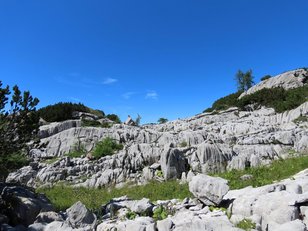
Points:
x=184 y=149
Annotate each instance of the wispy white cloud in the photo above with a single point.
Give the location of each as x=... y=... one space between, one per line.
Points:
x=129 y=94
x=151 y=95
x=109 y=81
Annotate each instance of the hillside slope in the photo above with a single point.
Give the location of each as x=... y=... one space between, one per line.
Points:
x=205 y=143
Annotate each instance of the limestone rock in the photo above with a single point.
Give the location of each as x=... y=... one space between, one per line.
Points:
x=22 y=205
x=79 y=216
x=287 y=80
x=172 y=163
x=210 y=190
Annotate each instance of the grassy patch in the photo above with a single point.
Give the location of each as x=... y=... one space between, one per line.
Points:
x=183 y=144
x=63 y=196
x=77 y=152
x=278 y=170
x=246 y=224
x=301 y=119
x=90 y=123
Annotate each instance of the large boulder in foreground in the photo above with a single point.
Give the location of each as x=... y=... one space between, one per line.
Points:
x=210 y=190
x=21 y=205
x=80 y=217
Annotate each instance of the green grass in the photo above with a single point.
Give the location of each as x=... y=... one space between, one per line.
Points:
x=76 y=153
x=63 y=196
x=301 y=119
x=246 y=224
x=278 y=170
x=90 y=123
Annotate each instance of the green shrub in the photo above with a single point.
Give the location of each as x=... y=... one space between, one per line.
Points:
x=61 y=111
x=77 y=151
x=278 y=98
x=106 y=125
x=225 y=102
x=162 y=120
x=301 y=119
x=90 y=123
x=159 y=173
x=246 y=224
x=115 y=118
x=266 y=77
x=160 y=213
x=183 y=144
x=106 y=147
x=130 y=215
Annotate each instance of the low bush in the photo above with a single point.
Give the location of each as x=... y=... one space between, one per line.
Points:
x=160 y=213
x=90 y=123
x=64 y=111
x=278 y=98
x=246 y=224
x=225 y=102
x=266 y=77
x=113 y=117
x=77 y=151
x=183 y=144
x=106 y=147
x=130 y=215
x=61 y=111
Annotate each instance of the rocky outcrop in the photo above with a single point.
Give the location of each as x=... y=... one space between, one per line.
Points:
x=278 y=206
x=206 y=143
x=287 y=80
x=172 y=162
x=20 y=205
x=78 y=216
x=273 y=206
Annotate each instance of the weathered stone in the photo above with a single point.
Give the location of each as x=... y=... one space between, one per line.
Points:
x=79 y=216
x=22 y=205
x=210 y=190
x=172 y=163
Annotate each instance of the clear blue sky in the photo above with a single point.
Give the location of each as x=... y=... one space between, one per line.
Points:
x=160 y=58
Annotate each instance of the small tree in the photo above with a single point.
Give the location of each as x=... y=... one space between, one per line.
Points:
x=115 y=118
x=18 y=126
x=244 y=80
x=138 y=119
x=162 y=120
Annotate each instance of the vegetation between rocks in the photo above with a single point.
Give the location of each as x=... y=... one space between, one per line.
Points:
x=277 y=170
x=62 y=197
x=246 y=224
x=278 y=98
x=19 y=125
x=62 y=111
x=106 y=147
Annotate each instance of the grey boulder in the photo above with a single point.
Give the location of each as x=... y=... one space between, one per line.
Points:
x=210 y=190
x=78 y=216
